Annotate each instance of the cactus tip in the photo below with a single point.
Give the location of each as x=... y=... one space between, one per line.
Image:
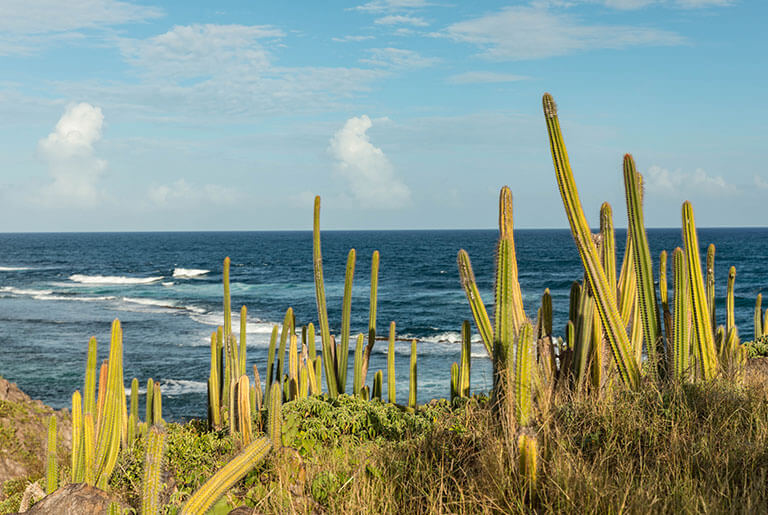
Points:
x=550 y=108
x=505 y=212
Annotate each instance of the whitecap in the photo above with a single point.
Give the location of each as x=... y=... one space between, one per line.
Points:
x=109 y=279
x=151 y=302
x=23 y=291
x=167 y=283
x=188 y=273
x=13 y=268
x=173 y=387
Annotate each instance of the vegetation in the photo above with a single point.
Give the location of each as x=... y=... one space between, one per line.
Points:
x=580 y=424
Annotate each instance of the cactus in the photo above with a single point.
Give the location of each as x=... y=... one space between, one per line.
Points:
x=243 y=327
x=89 y=445
x=528 y=456
x=479 y=312
x=284 y=338
x=322 y=312
x=346 y=315
x=583 y=341
x=275 y=420
x=604 y=293
x=89 y=391
x=148 y=401
x=157 y=406
x=391 y=379
x=608 y=239
x=152 y=483
x=730 y=320
x=646 y=290
x=271 y=361
x=303 y=381
x=413 y=377
x=244 y=409
x=110 y=427
x=524 y=376
x=711 y=283
x=372 y=313
x=77 y=461
x=357 y=378
x=680 y=337
x=258 y=393
x=454 y=380
x=205 y=497
x=463 y=383
x=51 y=469
x=378 y=378
x=758 y=316
x=103 y=371
x=701 y=316
x=509 y=314
x=214 y=389
x=293 y=364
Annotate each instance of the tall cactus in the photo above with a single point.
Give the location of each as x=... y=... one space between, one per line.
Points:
x=711 y=284
x=148 y=402
x=758 y=316
x=412 y=398
x=110 y=427
x=646 y=290
x=243 y=394
x=391 y=380
x=346 y=315
x=702 y=321
x=524 y=376
x=378 y=378
x=372 y=308
x=89 y=391
x=214 y=388
x=463 y=384
x=205 y=497
x=275 y=417
x=604 y=293
x=357 y=378
x=479 y=313
x=730 y=319
x=243 y=343
x=681 y=347
x=51 y=468
x=528 y=456
x=152 y=482
x=329 y=352
x=271 y=362
x=77 y=462
x=89 y=446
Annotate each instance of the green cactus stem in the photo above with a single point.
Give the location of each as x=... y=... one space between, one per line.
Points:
x=391 y=379
x=680 y=337
x=463 y=383
x=524 y=376
x=758 y=316
x=51 y=469
x=454 y=380
x=275 y=418
x=509 y=314
x=378 y=379
x=604 y=293
x=528 y=456
x=371 y=314
x=258 y=393
x=413 y=376
x=244 y=409
x=214 y=389
x=711 y=284
x=77 y=462
x=346 y=316
x=646 y=290
x=730 y=319
x=303 y=381
x=608 y=238
x=89 y=446
x=311 y=341
x=243 y=327
x=701 y=316
x=89 y=392
x=110 y=427
x=206 y=496
x=152 y=482
x=284 y=339
x=271 y=361
x=322 y=312
x=157 y=406
x=479 y=313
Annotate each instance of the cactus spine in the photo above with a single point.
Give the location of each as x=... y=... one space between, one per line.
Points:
x=391 y=380
x=702 y=321
x=275 y=420
x=413 y=377
x=604 y=293
x=153 y=467
x=51 y=469
x=202 y=500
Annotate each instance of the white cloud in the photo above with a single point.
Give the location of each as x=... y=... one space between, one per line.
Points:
x=393 y=19
x=398 y=58
x=25 y=25
x=480 y=77
x=347 y=39
x=369 y=175
x=679 y=183
x=760 y=182
x=517 y=33
x=69 y=152
x=391 y=5
x=180 y=193
x=683 y=4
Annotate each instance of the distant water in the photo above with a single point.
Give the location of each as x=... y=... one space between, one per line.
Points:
x=57 y=290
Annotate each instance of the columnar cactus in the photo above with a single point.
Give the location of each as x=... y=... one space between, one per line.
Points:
x=463 y=383
x=346 y=315
x=329 y=352
x=110 y=427
x=77 y=465
x=681 y=342
x=275 y=417
x=378 y=378
x=528 y=456
x=758 y=316
x=152 y=482
x=412 y=398
x=51 y=468
x=391 y=380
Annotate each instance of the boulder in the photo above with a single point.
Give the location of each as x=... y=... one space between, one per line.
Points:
x=75 y=499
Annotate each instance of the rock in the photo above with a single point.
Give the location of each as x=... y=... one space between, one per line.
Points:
x=242 y=510
x=75 y=499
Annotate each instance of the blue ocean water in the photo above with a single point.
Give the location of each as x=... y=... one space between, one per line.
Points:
x=57 y=290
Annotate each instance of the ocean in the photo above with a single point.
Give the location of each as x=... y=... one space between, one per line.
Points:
x=58 y=290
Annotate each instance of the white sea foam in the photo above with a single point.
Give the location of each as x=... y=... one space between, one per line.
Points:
x=22 y=291
x=446 y=337
x=172 y=387
x=188 y=273
x=167 y=283
x=13 y=268
x=72 y=297
x=112 y=279
x=152 y=302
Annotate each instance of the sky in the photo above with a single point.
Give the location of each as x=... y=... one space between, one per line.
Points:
x=121 y=115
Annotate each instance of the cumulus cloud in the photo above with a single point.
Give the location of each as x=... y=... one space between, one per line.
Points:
x=517 y=33
x=676 y=183
x=69 y=152
x=180 y=193
x=393 y=19
x=370 y=177
x=760 y=182
x=347 y=39
x=376 y=6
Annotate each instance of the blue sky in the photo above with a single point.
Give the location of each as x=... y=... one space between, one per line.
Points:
x=197 y=115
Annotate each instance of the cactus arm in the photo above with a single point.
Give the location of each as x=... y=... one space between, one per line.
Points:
x=476 y=304
x=108 y=438
x=701 y=316
x=711 y=284
x=454 y=380
x=51 y=470
x=214 y=388
x=311 y=341
x=528 y=454
x=303 y=381
x=583 y=342
x=346 y=315
x=758 y=316
x=258 y=392
x=293 y=360
x=152 y=482
x=322 y=311
x=412 y=398
x=608 y=242
x=274 y=416
x=378 y=378
x=680 y=337
x=466 y=360
x=372 y=313
x=524 y=376
x=89 y=392
x=509 y=314
x=627 y=285
x=157 y=406
x=391 y=394
x=77 y=461
x=730 y=320
x=604 y=293
x=357 y=378
x=243 y=326
x=202 y=500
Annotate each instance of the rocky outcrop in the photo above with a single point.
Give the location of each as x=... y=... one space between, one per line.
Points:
x=74 y=499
